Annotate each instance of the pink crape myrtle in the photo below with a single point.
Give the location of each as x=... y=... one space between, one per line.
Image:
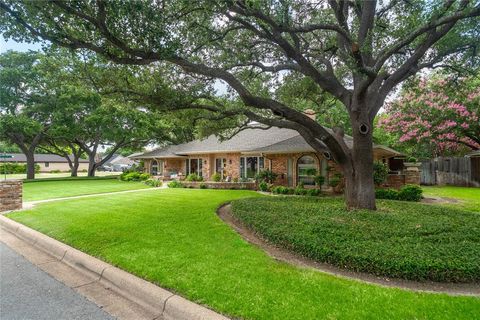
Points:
x=437 y=112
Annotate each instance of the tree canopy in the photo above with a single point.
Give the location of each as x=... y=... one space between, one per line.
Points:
x=356 y=51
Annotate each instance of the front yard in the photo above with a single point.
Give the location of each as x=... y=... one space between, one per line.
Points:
x=45 y=189
x=173 y=237
x=464 y=198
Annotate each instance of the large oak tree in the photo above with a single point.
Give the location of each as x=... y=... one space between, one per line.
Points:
x=357 y=51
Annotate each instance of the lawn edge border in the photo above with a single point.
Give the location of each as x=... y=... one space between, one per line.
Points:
x=165 y=304
x=224 y=212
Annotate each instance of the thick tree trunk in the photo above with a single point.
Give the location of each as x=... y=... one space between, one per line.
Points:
x=30 y=165
x=92 y=165
x=74 y=167
x=359 y=185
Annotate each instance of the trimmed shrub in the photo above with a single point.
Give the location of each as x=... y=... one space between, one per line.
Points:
x=16 y=168
x=144 y=176
x=263 y=186
x=390 y=194
x=313 y=192
x=407 y=193
x=267 y=176
x=175 y=184
x=300 y=191
x=193 y=177
x=380 y=172
x=202 y=186
x=134 y=176
x=282 y=190
x=217 y=177
x=153 y=182
x=410 y=192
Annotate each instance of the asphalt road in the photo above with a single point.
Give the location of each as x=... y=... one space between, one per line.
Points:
x=27 y=292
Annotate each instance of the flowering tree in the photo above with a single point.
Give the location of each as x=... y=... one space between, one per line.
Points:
x=439 y=112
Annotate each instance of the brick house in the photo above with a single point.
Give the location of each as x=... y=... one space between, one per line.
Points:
x=48 y=162
x=250 y=151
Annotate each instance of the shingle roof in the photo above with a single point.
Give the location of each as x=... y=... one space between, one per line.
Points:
x=251 y=140
x=20 y=157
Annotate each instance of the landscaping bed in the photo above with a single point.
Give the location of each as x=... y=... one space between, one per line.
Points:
x=172 y=237
x=402 y=240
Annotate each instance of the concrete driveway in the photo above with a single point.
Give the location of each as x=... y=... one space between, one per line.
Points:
x=27 y=292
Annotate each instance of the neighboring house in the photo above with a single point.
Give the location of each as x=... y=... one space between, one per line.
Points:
x=254 y=149
x=118 y=163
x=49 y=162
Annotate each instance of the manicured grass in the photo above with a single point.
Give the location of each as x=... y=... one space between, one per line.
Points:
x=469 y=198
x=46 y=175
x=172 y=237
x=41 y=190
x=402 y=240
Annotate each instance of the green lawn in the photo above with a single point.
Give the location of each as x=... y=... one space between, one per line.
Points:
x=469 y=198
x=41 y=190
x=405 y=240
x=173 y=237
x=46 y=175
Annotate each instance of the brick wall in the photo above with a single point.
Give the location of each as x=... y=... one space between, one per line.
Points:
x=395 y=181
x=412 y=177
x=10 y=195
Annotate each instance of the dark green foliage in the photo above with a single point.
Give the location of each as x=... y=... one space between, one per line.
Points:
x=203 y=186
x=175 y=184
x=313 y=192
x=193 y=177
x=319 y=180
x=16 y=168
x=263 y=186
x=409 y=192
x=134 y=176
x=283 y=190
x=380 y=172
x=334 y=181
x=266 y=175
x=411 y=159
x=300 y=191
x=390 y=194
x=402 y=240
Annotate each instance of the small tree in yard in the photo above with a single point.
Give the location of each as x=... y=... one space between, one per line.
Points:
x=21 y=121
x=357 y=51
x=441 y=113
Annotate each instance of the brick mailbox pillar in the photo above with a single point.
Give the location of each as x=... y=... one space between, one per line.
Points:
x=10 y=195
x=412 y=172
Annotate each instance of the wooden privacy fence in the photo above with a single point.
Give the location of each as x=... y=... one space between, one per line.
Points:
x=455 y=171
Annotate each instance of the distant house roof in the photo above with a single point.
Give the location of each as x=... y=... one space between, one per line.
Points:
x=119 y=160
x=20 y=157
x=252 y=140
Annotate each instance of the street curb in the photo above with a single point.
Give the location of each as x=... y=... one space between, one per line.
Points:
x=163 y=303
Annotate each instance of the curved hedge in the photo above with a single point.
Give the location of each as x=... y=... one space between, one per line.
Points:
x=401 y=240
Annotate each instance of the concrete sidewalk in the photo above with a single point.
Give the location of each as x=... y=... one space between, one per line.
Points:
x=26 y=292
